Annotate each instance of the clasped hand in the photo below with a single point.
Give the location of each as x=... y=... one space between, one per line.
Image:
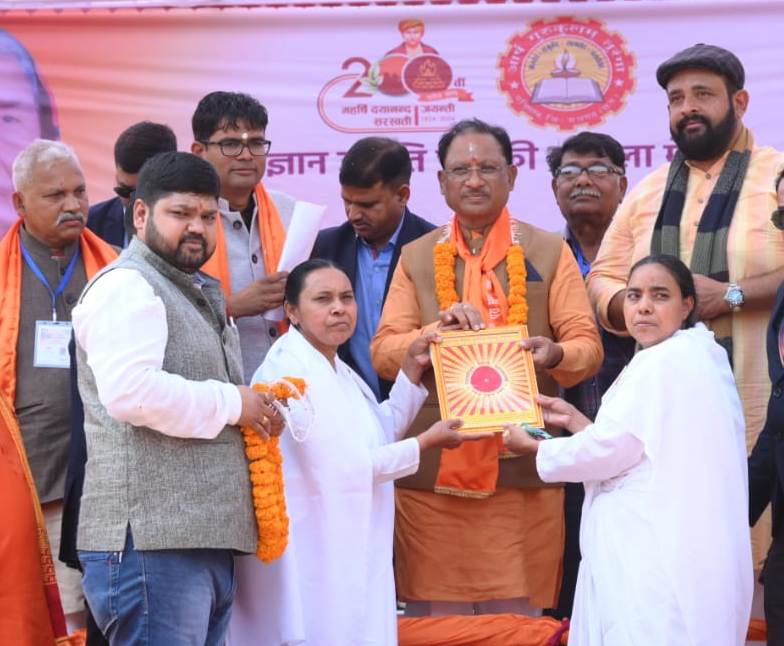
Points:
x=555 y=412
x=259 y=413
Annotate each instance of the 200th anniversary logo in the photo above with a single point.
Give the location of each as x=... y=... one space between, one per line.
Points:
x=410 y=89
x=566 y=73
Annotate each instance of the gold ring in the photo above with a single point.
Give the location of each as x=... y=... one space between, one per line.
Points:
x=263 y=420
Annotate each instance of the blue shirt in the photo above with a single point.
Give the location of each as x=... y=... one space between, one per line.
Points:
x=371 y=280
x=618 y=351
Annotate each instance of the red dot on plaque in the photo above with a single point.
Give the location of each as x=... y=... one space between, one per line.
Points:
x=486 y=379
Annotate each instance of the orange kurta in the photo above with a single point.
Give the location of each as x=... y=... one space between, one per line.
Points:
x=509 y=545
x=571 y=320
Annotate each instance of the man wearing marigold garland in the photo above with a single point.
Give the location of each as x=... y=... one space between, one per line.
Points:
x=167 y=497
x=475 y=532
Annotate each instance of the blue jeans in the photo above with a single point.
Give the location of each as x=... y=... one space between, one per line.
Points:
x=169 y=597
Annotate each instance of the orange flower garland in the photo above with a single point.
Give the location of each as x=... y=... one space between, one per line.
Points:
x=265 y=464
x=444 y=255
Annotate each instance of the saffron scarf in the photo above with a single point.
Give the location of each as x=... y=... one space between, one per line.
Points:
x=272 y=235
x=32 y=613
x=709 y=256
x=471 y=470
x=96 y=254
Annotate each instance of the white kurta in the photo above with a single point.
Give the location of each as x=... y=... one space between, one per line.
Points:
x=334 y=584
x=666 y=557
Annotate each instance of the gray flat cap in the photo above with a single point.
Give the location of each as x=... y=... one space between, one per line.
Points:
x=702 y=56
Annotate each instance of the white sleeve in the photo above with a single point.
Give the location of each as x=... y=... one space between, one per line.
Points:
x=398 y=412
x=121 y=326
x=395 y=460
x=596 y=453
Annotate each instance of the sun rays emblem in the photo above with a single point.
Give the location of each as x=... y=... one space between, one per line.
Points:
x=485 y=379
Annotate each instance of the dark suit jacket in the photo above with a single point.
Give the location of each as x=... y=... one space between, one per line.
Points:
x=766 y=463
x=106 y=220
x=74 y=476
x=339 y=244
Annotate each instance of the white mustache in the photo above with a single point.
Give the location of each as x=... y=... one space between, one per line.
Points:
x=68 y=217
x=592 y=192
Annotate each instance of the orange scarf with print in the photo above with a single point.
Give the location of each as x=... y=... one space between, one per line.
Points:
x=96 y=254
x=471 y=470
x=272 y=235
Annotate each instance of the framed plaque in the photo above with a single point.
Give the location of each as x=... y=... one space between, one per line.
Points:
x=486 y=379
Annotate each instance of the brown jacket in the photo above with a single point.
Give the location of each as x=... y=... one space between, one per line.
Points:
x=558 y=309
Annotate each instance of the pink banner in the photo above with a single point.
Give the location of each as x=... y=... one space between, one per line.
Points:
x=329 y=76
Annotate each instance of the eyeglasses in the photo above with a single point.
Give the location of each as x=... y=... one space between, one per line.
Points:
x=598 y=171
x=234 y=147
x=124 y=191
x=777 y=218
x=486 y=171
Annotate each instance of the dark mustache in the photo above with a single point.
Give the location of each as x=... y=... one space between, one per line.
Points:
x=692 y=119
x=194 y=237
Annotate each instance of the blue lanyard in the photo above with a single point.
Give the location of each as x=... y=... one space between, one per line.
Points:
x=54 y=293
x=584 y=265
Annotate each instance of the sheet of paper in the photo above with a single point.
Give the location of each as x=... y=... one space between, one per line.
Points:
x=300 y=236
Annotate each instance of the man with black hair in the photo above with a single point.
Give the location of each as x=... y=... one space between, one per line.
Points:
x=589 y=182
x=483 y=269
x=133 y=147
x=711 y=208
x=229 y=131
x=375 y=178
x=166 y=499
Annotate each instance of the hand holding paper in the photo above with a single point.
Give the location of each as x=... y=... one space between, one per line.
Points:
x=300 y=236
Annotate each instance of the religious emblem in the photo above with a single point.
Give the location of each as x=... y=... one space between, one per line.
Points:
x=410 y=88
x=486 y=379
x=566 y=73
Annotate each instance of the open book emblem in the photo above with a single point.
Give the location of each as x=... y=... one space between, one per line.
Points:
x=566 y=85
x=566 y=73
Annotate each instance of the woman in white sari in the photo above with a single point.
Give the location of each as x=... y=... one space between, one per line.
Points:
x=666 y=557
x=334 y=583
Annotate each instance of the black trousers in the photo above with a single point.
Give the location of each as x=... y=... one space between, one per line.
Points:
x=773 y=580
x=574 y=494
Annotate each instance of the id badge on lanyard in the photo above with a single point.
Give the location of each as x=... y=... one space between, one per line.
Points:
x=51 y=344
x=51 y=337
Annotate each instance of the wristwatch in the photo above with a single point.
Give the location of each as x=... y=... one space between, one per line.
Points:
x=734 y=297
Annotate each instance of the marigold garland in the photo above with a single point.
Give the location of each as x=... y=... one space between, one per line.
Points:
x=265 y=464
x=444 y=255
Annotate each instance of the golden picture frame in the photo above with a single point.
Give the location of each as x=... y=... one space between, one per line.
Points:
x=486 y=379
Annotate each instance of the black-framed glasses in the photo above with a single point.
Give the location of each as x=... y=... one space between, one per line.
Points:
x=486 y=171
x=123 y=191
x=777 y=218
x=234 y=147
x=599 y=171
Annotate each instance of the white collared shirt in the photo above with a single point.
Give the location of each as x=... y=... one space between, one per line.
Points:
x=131 y=382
